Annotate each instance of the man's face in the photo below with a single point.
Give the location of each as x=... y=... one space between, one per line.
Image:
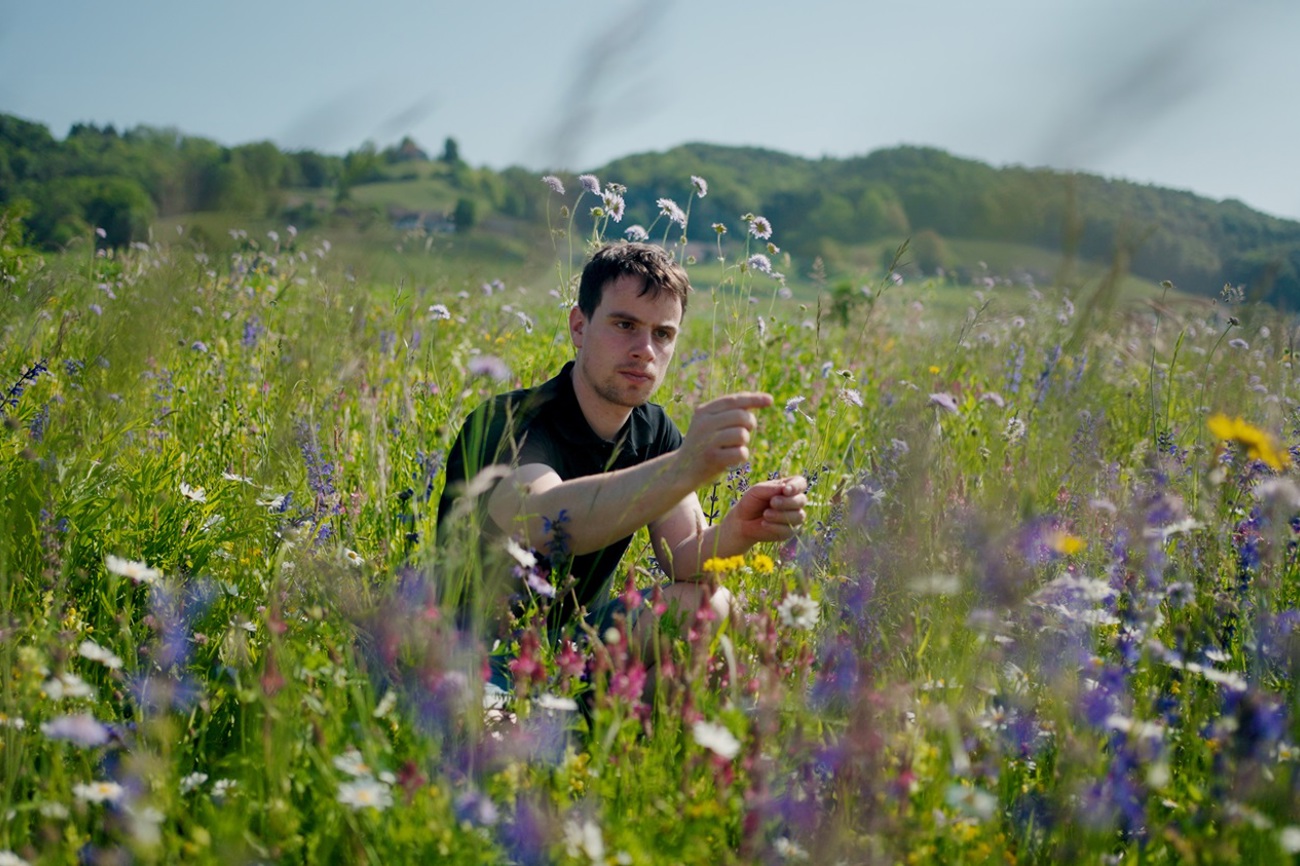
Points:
x=625 y=347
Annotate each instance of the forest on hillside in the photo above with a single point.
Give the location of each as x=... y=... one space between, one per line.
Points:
x=120 y=182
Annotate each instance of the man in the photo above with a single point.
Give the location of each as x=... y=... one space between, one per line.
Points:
x=574 y=467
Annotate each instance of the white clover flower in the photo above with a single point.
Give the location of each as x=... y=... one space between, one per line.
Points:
x=584 y=838
x=96 y=653
x=799 y=611
x=192 y=781
x=98 y=792
x=365 y=793
x=716 y=739
x=67 y=685
x=137 y=571
x=198 y=494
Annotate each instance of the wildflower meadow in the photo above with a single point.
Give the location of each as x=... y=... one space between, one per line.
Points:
x=1044 y=608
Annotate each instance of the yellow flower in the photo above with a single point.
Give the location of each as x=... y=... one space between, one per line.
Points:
x=762 y=563
x=1258 y=444
x=934 y=369
x=721 y=565
x=1064 y=542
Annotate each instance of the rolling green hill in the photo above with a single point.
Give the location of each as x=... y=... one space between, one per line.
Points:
x=841 y=218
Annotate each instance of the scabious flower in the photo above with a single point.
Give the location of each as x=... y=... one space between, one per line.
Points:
x=589 y=183
x=799 y=611
x=716 y=738
x=636 y=233
x=613 y=204
x=669 y=208
x=438 y=312
x=98 y=792
x=759 y=262
x=365 y=793
x=82 y=729
x=490 y=366
x=944 y=401
x=700 y=185
x=554 y=183
x=760 y=228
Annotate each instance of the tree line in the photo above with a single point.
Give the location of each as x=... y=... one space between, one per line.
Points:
x=100 y=178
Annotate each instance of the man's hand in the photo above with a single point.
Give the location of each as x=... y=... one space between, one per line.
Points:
x=769 y=510
x=719 y=435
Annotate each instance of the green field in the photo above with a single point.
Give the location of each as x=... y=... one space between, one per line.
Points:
x=1044 y=608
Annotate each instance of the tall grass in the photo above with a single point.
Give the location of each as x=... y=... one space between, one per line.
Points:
x=1041 y=610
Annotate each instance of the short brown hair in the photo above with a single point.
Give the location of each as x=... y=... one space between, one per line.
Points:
x=655 y=264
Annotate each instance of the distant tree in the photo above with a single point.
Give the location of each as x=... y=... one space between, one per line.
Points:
x=450 y=151
x=465 y=214
x=929 y=251
x=405 y=151
x=314 y=170
x=121 y=208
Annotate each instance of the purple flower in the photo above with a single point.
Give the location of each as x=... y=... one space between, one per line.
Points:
x=760 y=228
x=554 y=183
x=490 y=366
x=636 y=233
x=669 y=208
x=81 y=729
x=760 y=262
x=199 y=346
x=944 y=401
x=701 y=185
x=1238 y=343
x=589 y=183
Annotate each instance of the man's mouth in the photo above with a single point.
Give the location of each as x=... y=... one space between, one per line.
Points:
x=637 y=375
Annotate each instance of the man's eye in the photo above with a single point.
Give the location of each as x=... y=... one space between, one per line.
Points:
x=663 y=335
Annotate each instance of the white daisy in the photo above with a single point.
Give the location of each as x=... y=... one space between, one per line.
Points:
x=96 y=653
x=365 y=793
x=98 y=792
x=138 y=571
x=716 y=739
x=799 y=611
x=198 y=494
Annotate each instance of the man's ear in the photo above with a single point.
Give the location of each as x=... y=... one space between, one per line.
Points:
x=577 y=326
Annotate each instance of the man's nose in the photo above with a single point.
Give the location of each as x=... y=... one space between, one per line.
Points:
x=642 y=345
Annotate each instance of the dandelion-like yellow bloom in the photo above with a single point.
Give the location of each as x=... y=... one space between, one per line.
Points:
x=934 y=369
x=1064 y=542
x=722 y=565
x=762 y=563
x=1259 y=445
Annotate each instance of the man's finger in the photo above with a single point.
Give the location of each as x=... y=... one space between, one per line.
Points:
x=740 y=400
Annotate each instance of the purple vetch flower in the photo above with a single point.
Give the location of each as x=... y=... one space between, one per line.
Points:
x=589 y=183
x=490 y=366
x=760 y=228
x=81 y=729
x=636 y=233
x=554 y=183
x=700 y=185
x=944 y=401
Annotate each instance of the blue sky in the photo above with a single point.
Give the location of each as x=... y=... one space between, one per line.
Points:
x=1194 y=95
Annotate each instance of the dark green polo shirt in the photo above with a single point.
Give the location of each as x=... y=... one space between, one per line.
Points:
x=546 y=425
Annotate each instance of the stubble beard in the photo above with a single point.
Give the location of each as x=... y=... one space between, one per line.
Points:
x=613 y=390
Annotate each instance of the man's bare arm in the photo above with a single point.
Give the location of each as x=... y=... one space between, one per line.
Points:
x=600 y=509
